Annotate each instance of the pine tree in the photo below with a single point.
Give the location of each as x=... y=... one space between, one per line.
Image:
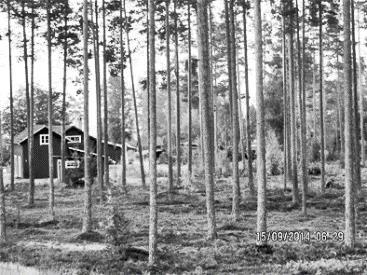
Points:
x=260 y=129
x=2 y=191
x=11 y=98
x=348 y=115
x=153 y=213
x=50 y=131
x=248 y=126
x=207 y=112
x=87 y=216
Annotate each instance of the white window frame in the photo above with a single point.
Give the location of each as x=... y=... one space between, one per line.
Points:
x=44 y=139
x=70 y=139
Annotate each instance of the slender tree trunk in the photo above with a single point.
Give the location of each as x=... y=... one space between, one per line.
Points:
x=135 y=104
x=178 y=111
x=153 y=215
x=87 y=216
x=63 y=127
x=341 y=124
x=285 y=104
x=169 y=99
x=301 y=99
x=50 y=110
x=207 y=113
x=106 y=180
x=248 y=126
x=229 y=59
x=357 y=159
x=349 y=239
x=361 y=109
x=189 y=90
x=2 y=191
x=29 y=134
x=122 y=60
x=235 y=124
x=260 y=127
x=292 y=93
x=11 y=99
x=148 y=78
x=213 y=84
x=98 y=101
x=31 y=111
x=314 y=95
x=322 y=121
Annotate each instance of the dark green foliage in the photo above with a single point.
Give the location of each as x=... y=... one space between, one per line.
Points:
x=40 y=115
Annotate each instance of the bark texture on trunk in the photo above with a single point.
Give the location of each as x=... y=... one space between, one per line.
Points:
x=293 y=130
x=207 y=113
x=50 y=115
x=64 y=82
x=189 y=89
x=11 y=105
x=169 y=99
x=260 y=127
x=87 y=217
x=98 y=101
x=153 y=212
x=348 y=130
x=236 y=194
x=2 y=191
x=122 y=79
x=178 y=111
x=322 y=122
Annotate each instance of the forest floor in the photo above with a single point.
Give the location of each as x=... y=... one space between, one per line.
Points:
x=182 y=229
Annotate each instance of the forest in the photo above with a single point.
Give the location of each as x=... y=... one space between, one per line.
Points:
x=183 y=137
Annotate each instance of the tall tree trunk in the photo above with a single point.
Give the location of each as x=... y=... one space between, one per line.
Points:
x=98 y=101
x=148 y=78
x=207 y=113
x=142 y=173
x=213 y=84
x=348 y=109
x=322 y=121
x=293 y=132
x=87 y=216
x=31 y=111
x=236 y=194
x=357 y=159
x=178 y=111
x=260 y=127
x=2 y=191
x=341 y=124
x=106 y=180
x=11 y=99
x=29 y=134
x=169 y=99
x=122 y=79
x=50 y=110
x=63 y=127
x=361 y=108
x=153 y=214
x=314 y=118
x=229 y=54
x=248 y=126
x=301 y=99
x=285 y=104
x=189 y=90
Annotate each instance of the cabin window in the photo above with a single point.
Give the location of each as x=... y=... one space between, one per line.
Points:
x=74 y=139
x=43 y=139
